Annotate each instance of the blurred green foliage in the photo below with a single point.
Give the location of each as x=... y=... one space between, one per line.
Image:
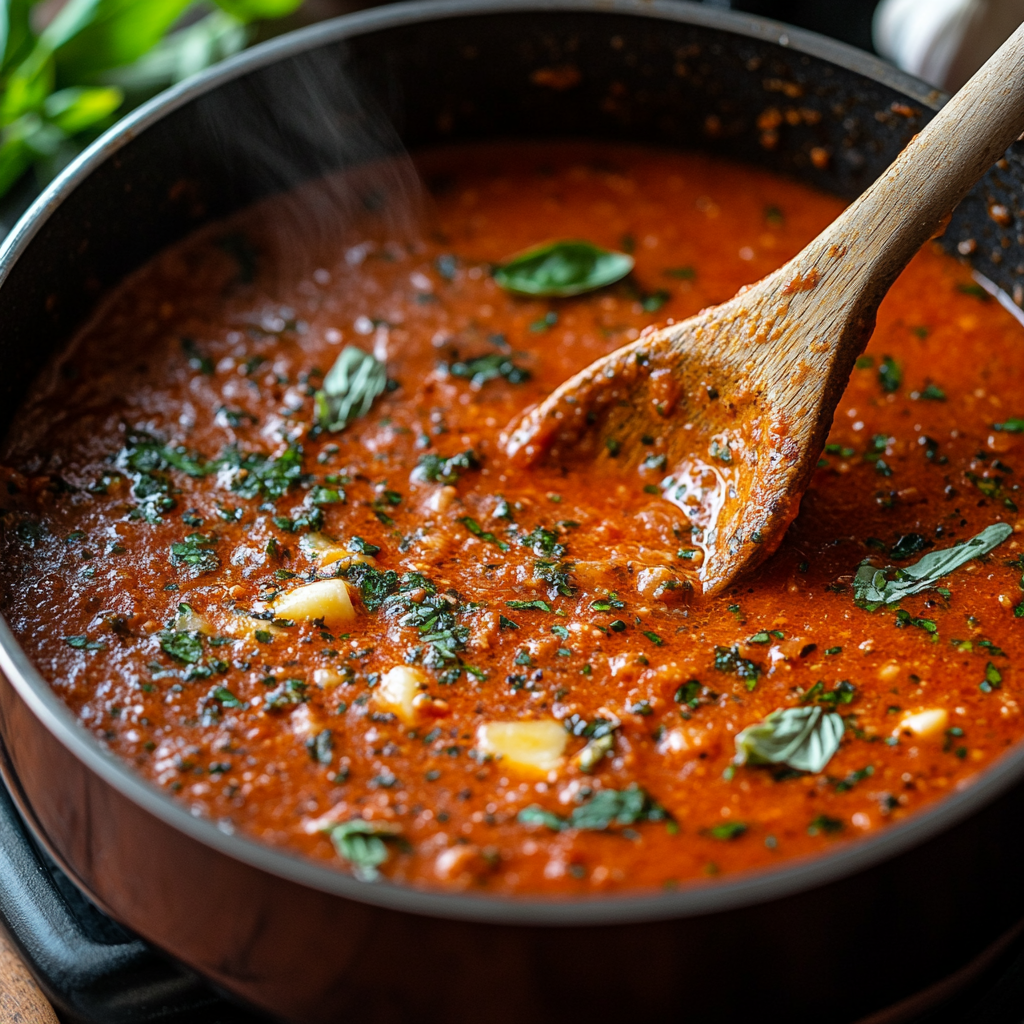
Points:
x=64 y=84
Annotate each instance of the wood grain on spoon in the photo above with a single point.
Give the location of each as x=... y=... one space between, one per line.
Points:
x=741 y=396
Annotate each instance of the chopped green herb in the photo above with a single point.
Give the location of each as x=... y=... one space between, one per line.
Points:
x=196 y=359
x=681 y=273
x=727 y=831
x=842 y=693
x=720 y=451
x=226 y=698
x=362 y=547
x=482 y=369
x=321 y=746
x=544 y=543
x=728 y=659
x=439 y=470
x=194 y=553
x=363 y=844
x=558 y=576
x=993 y=679
x=604 y=809
x=972 y=289
x=890 y=374
x=853 y=778
x=1010 y=426
x=478 y=531
x=904 y=618
x=547 y=321
x=824 y=824
x=320 y=495
x=269 y=476
x=525 y=606
x=184 y=647
x=83 y=643
x=909 y=544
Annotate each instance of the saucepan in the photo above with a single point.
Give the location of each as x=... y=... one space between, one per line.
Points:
x=873 y=925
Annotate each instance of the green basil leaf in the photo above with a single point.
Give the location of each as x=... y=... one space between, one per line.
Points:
x=560 y=269
x=363 y=844
x=803 y=738
x=350 y=388
x=873 y=588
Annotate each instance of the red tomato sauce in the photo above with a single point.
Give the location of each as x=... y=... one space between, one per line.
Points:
x=170 y=493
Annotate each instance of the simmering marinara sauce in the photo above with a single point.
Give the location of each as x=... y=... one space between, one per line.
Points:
x=384 y=647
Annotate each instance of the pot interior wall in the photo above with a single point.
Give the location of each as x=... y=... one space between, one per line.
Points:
x=525 y=74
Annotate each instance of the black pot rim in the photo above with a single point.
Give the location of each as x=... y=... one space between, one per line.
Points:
x=692 y=899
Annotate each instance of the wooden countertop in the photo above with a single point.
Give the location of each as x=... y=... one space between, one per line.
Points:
x=21 y=1002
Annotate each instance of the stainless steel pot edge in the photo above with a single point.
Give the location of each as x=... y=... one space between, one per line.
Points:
x=692 y=900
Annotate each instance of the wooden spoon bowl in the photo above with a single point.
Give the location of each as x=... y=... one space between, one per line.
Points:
x=728 y=411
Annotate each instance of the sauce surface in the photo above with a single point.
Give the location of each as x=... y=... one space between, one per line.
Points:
x=169 y=496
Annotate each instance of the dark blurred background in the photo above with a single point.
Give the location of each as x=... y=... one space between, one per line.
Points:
x=848 y=20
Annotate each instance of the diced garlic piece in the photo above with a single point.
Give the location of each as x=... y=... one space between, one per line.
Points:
x=531 y=747
x=329 y=600
x=328 y=678
x=928 y=725
x=188 y=620
x=313 y=545
x=398 y=690
x=326 y=551
x=889 y=672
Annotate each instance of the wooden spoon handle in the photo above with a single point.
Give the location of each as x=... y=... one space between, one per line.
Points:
x=906 y=206
x=21 y=1002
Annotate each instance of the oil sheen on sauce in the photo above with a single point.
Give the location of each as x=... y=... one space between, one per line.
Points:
x=168 y=495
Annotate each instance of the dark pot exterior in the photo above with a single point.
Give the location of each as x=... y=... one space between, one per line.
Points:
x=828 y=940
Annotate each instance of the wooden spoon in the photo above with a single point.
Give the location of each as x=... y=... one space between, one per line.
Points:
x=739 y=398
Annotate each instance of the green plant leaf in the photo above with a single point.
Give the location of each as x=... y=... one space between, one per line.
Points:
x=90 y=36
x=16 y=37
x=873 y=588
x=27 y=86
x=363 y=844
x=350 y=388
x=181 y=54
x=804 y=738
x=74 y=109
x=253 y=10
x=561 y=269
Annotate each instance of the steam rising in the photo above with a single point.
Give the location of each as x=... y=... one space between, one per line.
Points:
x=308 y=133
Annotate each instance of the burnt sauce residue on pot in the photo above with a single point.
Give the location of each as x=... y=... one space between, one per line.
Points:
x=301 y=590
